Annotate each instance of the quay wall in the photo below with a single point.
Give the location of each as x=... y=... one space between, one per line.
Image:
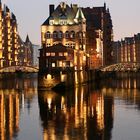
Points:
x=64 y=80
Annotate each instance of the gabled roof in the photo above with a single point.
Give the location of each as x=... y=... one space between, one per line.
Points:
x=27 y=41
x=13 y=16
x=63 y=11
x=80 y=15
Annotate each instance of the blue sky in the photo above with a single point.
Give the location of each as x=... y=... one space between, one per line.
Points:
x=32 y=13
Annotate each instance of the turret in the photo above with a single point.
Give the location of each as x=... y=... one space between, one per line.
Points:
x=79 y=16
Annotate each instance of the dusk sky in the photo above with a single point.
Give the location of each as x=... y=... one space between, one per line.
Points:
x=32 y=13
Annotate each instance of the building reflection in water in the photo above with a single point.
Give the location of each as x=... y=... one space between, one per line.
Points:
x=84 y=113
x=126 y=89
x=76 y=115
x=11 y=100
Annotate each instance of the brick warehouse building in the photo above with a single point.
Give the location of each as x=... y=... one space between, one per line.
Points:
x=127 y=50
x=99 y=31
x=8 y=37
x=76 y=38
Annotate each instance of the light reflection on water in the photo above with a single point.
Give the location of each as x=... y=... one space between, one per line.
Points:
x=107 y=111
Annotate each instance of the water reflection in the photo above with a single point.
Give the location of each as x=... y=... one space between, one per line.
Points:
x=76 y=115
x=123 y=82
x=13 y=93
x=85 y=113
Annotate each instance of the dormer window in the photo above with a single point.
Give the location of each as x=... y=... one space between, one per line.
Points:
x=51 y=22
x=63 y=22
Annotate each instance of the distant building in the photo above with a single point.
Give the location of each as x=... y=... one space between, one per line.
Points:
x=63 y=38
x=21 y=52
x=36 y=55
x=8 y=37
x=25 y=52
x=127 y=50
x=116 y=52
x=29 y=51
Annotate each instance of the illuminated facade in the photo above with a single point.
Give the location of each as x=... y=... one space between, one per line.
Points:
x=63 y=37
x=8 y=38
x=87 y=118
x=127 y=50
x=99 y=32
x=9 y=114
x=84 y=34
x=12 y=102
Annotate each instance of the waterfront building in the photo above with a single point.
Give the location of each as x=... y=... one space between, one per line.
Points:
x=137 y=47
x=76 y=38
x=99 y=32
x=21 y=52
x=63 y=38
x=8 y=37
x=127 y=50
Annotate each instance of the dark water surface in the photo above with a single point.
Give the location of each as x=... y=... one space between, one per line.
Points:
x=110 y=111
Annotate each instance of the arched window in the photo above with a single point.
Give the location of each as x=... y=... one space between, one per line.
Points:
x=84 y=34
x=80 y=34
x=60 y=34
x=72 y=34
x=48 y=35
x=55 y=34
x=67 y=34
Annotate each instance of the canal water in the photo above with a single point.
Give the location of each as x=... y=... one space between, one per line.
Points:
x=106 y=110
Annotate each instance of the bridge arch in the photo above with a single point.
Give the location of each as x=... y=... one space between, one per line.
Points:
x=18 y=68
x=122 y=67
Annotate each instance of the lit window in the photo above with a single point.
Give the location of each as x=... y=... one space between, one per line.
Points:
x=72 y=35
x=65 y=54
x=53 y=65
x=63 y=22
x=48 y=54
x=84 y=34
x=51 y=22
x=60 y=54
x=60 y=64
x=80 y=34
x=52 y=54
x=64 y=64
x=71 y=64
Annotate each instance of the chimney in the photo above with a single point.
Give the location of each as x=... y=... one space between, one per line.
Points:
x=51 y=9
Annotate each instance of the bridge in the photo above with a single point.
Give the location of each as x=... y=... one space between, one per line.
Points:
x=13 y=69
x=122 y=67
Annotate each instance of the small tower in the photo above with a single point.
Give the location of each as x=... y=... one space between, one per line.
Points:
x=79 y=16
x=29 y=51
